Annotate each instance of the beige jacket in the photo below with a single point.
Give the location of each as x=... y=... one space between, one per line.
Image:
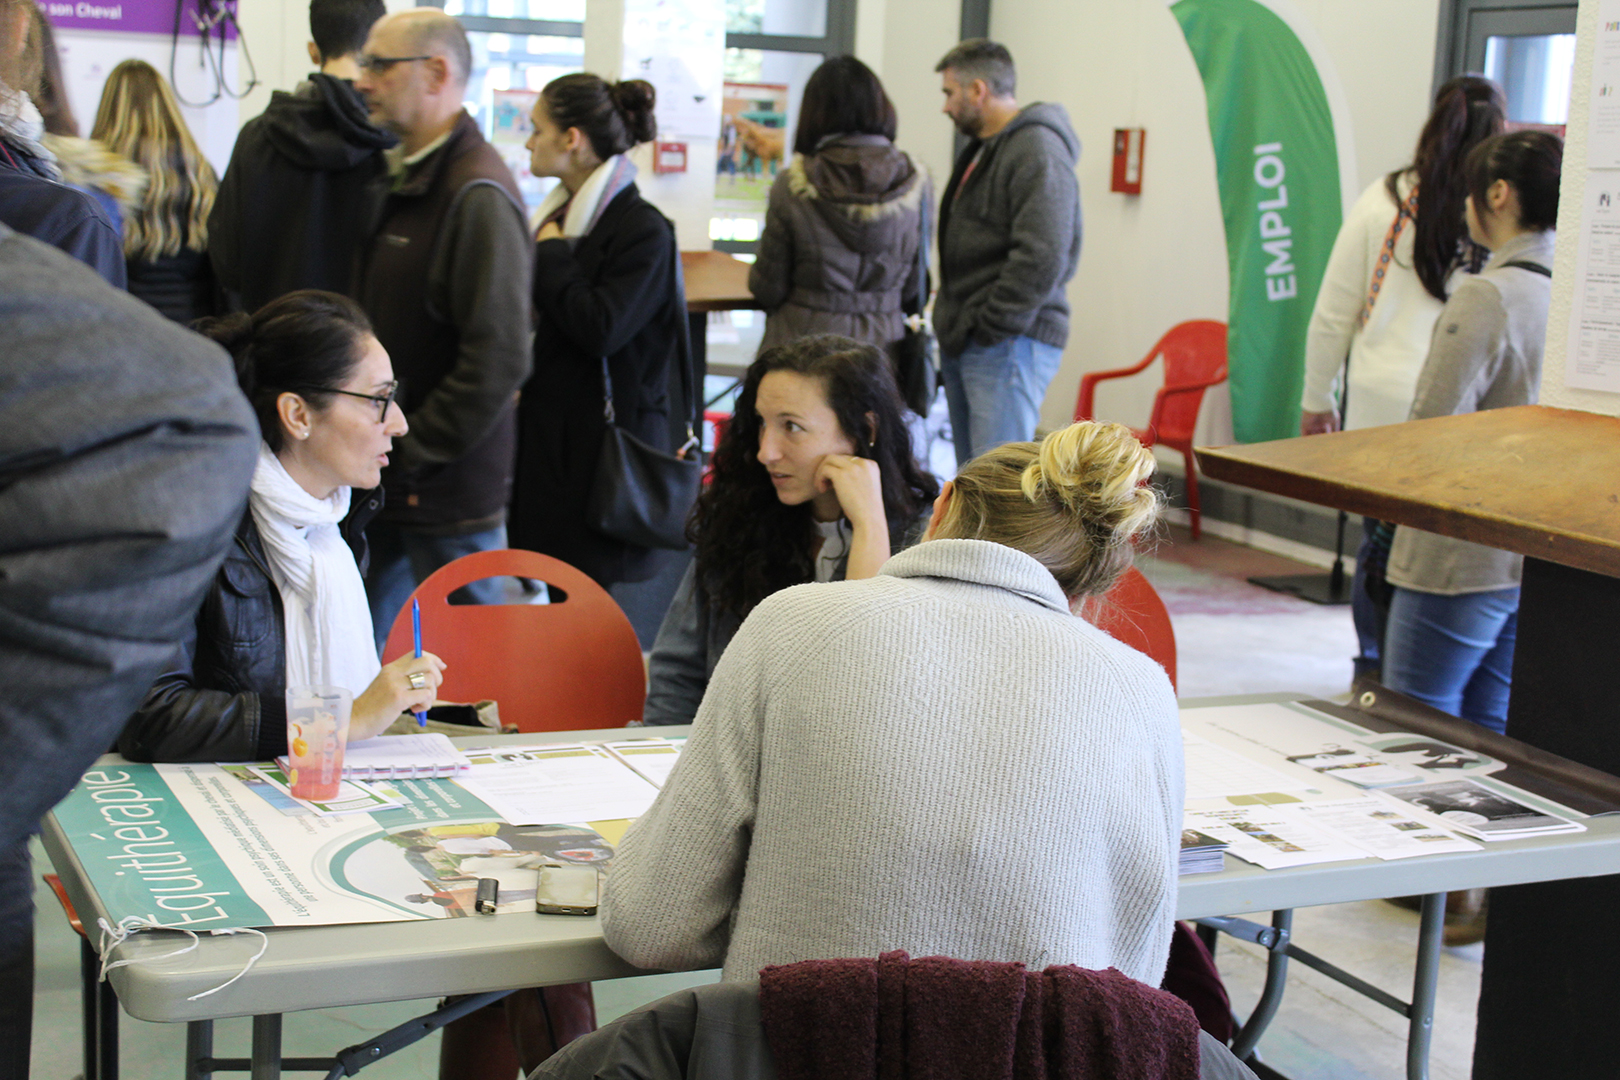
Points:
x=1486 y=354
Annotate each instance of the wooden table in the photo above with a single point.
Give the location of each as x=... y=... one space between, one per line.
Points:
x=715 y=281
x=1544 y=483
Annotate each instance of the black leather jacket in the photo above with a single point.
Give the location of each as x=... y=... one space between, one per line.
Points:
x=224 y=698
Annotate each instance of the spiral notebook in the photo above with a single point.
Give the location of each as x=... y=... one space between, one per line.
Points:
x=401 y=757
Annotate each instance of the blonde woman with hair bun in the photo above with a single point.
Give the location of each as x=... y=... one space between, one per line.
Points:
x=942 y=758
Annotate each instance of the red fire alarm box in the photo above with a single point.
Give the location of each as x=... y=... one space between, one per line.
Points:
x=669 y=157
x=1128 y=160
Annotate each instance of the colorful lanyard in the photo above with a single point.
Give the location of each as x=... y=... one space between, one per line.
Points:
x=1407 y=212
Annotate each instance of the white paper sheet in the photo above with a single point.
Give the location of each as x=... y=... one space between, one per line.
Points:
x=1271 y=837
x=558 y=784
x=1214 y=772
x=1374 y=826
x=654 y=759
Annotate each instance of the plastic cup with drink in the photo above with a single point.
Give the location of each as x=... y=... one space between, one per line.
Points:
x=317 y=728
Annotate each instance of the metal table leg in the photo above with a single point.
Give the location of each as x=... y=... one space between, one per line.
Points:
x=267 y=1047
x=1280 y=949
x=199 y=1049
x=1425 y=986
x=1276 y=946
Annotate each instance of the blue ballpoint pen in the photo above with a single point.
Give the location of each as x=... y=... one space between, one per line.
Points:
x=416 y=631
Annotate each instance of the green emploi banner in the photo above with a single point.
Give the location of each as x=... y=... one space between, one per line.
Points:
x=1277 y=163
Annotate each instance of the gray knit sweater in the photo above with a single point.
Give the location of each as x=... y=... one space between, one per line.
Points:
x=940 y=759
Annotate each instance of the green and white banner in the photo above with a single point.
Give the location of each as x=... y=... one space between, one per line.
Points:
x=1282 y=165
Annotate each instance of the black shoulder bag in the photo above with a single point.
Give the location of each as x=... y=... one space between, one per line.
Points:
x=918 y=352
x=641 y=494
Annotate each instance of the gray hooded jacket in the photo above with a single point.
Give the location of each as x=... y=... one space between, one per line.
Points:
x=839 y=250
x=1009 y=236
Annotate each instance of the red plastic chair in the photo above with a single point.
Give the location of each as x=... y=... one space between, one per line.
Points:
x=1132 y=612
x=717 y=422
x=1194 y=360
x=550 y=667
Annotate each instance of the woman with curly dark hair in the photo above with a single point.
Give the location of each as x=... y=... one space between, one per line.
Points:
x=813 y=481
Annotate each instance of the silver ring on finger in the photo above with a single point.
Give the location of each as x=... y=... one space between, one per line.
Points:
x=418 y=680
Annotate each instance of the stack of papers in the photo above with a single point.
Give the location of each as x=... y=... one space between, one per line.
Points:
x=1479 y=811
x=1301 y=834
x=1201 y=853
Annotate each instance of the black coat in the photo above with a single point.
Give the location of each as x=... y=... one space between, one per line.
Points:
x=291 y=211
x=225 y=697
x=612 y=293
x=181 y=286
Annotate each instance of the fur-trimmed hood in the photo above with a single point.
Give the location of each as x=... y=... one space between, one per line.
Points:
x=858 y=181
x=90 y=164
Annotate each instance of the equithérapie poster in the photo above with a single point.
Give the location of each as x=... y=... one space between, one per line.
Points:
x=215 y=846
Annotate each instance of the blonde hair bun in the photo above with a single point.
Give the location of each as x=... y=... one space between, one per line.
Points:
x=1075 y=501
x=1096 y=470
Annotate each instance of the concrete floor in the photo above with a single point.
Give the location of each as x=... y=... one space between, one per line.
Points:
x=1232 y=638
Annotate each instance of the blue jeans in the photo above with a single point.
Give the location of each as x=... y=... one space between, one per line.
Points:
x=995 y=392
x=1454 y=652
x=1364 y=613
x=401 y=559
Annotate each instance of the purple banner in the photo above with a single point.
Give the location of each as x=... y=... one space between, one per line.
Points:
x=142 y=16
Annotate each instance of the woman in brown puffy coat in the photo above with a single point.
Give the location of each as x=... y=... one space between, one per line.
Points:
x=839 y=250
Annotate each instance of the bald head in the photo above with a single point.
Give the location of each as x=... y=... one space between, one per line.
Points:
x=413 y=73
x=428 y=31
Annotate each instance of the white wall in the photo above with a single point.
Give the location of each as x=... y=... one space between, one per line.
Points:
x=1152 y=260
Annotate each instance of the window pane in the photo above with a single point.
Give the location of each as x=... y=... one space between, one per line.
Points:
x=557 y=10
x=804 y=18
x=1535 y=72
x=759 y=107
x=508 y=71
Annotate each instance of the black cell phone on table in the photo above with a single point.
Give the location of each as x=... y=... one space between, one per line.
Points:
x=567 y=890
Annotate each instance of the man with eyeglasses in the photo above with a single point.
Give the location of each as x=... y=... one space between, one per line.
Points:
x=444 y=275
x=291 y=209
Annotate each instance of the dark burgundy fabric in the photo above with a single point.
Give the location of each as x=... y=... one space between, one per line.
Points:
x=940 y=1019
x=1192 y=976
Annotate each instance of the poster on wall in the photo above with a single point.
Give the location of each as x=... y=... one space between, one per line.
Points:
x=752 y=148
x=1279 y=159
x=1603 y=121
x=1592 y=360
x=196 y=52
x=188 y=18
x=679 y=47
x=509 y=129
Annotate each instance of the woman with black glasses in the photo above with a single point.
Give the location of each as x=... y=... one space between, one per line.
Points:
x=288 y=606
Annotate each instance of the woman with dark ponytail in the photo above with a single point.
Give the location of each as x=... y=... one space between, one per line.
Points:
x=606 y=285
x=1401 y=250
x=287 y=606
x=1453 y=615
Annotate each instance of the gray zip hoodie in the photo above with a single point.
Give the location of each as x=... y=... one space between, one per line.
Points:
x=1009 y=237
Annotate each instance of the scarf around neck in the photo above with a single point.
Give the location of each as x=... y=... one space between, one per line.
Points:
x=327 y=620
x=23 y=127
x=583 y=209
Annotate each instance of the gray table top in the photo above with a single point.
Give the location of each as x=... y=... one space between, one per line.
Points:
x=329 y=966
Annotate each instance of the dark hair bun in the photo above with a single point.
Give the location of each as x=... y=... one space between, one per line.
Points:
x=636 y=100
x=235 y=333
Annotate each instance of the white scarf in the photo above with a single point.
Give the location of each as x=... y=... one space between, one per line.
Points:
x=328 y=623
x=585 y=206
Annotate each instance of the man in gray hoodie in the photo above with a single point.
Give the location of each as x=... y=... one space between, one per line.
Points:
x=1009 y=241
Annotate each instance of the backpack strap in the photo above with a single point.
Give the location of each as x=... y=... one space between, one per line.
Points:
x=1533 y=267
